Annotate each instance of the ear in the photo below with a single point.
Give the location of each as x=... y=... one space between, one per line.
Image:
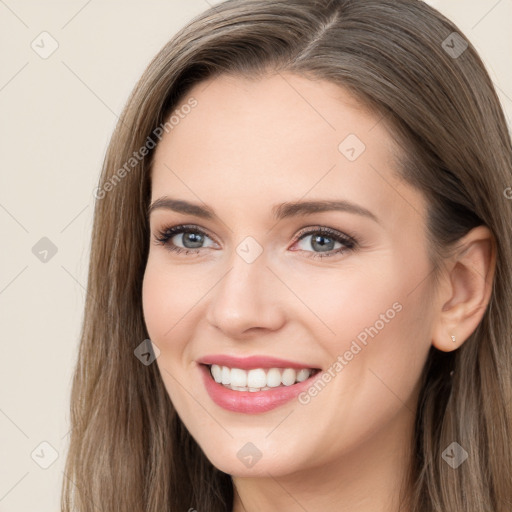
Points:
x=465 y=289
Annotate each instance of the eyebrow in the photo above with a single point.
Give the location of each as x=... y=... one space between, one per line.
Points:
x=279 y=211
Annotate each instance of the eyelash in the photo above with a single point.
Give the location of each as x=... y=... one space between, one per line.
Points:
x=163 y=237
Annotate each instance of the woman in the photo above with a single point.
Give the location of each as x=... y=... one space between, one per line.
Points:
x=304 y=207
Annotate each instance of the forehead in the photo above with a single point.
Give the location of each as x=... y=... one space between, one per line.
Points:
x=250 y=142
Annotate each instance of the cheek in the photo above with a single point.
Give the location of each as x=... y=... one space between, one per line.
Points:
x=155 y=303
x=379 y=301
x=166 y=299
x=338 y=304
x=376 y=358
x=375 y=324
x=167 y=296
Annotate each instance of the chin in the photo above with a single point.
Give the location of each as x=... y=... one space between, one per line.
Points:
x=244 y=459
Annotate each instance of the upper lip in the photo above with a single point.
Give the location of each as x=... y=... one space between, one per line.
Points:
x=251 y=362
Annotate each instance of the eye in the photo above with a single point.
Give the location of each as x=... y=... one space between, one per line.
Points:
x=192 y=239
x=192 y=242
x=324 y=241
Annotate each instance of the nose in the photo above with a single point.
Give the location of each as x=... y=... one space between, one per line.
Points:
x=247 y=299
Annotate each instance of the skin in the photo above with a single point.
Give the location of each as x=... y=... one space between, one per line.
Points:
x=246 y=146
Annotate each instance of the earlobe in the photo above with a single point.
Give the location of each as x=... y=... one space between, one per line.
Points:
x=466 y=289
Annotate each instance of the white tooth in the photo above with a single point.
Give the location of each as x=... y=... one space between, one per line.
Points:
x=226 y=375
x=256 y=378
x=216 y=372
x=238 y=377
x=303 y=374
x=288 y=377
x=273 y=378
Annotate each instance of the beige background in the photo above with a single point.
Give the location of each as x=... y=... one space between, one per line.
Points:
x=57 y=117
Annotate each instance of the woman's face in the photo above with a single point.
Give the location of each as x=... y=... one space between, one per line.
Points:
x=262 y=280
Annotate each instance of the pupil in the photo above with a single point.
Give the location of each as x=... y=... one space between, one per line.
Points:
x=322 y=246
x=193 y=238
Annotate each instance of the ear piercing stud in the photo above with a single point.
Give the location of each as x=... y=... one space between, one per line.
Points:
x=453 y=339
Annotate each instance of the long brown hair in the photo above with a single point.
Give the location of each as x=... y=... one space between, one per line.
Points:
x=129 y=450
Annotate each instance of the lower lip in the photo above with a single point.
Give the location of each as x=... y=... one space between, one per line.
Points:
x=252 y=402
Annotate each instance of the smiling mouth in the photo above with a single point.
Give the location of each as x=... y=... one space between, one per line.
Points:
x=258 y=379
